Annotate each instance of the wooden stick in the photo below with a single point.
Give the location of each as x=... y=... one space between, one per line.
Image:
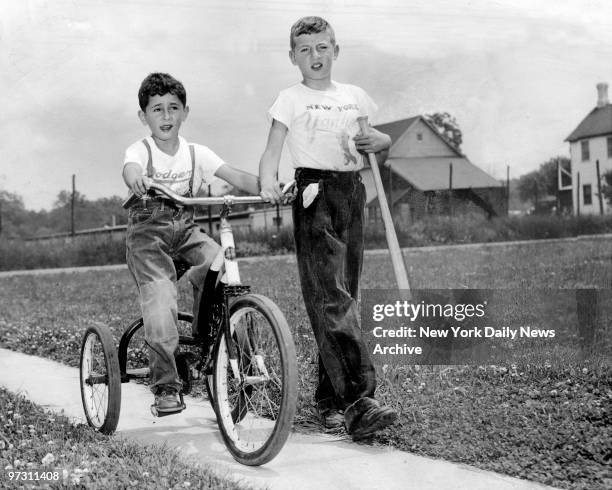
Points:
x=399 y=268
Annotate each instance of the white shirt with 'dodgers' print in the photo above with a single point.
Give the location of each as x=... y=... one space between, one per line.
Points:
x=174 y=171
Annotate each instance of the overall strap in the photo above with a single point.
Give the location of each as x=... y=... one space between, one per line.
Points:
x=150 y=160
x=192 y=153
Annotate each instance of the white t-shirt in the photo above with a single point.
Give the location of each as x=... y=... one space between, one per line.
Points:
x=174 y=171
x=322 y=124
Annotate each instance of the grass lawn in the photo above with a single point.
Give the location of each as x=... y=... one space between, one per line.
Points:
x=35 y=440
x=548 y=421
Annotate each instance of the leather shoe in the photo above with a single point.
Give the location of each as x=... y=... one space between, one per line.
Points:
x=365 y=417
x=167 y=400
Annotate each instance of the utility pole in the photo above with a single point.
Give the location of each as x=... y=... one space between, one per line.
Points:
x=72 y=205
x=558 y=190
x=507 y=190
x=278 y=220
x=601 y=206
x=450 y=188
x=578 y=194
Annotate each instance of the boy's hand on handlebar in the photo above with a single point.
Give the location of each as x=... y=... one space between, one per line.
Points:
x=275 y=195
x=271 y=191
x=138 y=183
x=141 y=185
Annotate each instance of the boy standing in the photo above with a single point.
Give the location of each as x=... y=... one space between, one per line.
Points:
x=318 y=118
x=160 y=232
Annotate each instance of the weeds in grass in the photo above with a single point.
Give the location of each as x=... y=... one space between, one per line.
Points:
x=32 y=439
x=549 y=423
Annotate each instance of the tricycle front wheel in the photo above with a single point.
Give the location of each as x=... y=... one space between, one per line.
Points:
x=255 y=387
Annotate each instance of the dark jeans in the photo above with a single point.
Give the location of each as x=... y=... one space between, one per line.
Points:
x=329 y=246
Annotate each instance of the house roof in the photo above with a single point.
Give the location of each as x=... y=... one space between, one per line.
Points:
x=597 y=123
x=396 y=129
x=432 y=174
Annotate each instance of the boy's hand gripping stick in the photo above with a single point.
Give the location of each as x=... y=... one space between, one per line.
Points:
x=397 y=260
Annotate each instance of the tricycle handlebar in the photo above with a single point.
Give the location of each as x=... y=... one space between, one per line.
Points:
x=163 y=191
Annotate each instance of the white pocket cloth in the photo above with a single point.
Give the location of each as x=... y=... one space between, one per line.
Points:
x=309 y=194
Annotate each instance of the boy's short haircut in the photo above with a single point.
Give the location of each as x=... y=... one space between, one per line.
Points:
x=311 y=25
x=160 y=84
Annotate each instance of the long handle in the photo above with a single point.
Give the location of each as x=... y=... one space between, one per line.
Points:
x=399 y=268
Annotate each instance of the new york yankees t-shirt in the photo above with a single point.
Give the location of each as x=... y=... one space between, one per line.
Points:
x=322 y=124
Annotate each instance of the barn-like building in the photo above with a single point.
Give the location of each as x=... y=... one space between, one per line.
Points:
x=428 y=174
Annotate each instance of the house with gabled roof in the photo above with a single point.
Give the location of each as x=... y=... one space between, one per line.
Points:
x=426 y=173
x=591 y=156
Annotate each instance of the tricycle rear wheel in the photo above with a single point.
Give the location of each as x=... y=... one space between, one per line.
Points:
x=100 y=379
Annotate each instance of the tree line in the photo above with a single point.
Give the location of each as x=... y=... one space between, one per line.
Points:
x=19 y=222
x=534 y=186
x=538 y=184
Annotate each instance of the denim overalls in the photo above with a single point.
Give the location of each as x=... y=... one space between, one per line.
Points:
x=159 y=233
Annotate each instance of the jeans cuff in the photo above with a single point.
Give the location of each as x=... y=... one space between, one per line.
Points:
x=328 y=404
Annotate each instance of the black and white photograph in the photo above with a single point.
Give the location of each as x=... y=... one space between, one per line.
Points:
x=350 y=244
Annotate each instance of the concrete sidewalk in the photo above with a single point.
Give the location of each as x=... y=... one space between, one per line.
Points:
x=306 y=462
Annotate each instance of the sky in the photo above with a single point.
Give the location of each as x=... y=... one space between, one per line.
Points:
x=517 y=75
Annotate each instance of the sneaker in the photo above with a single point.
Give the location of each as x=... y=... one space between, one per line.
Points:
x=167 y=400
x=366 y=416
x=332 y=418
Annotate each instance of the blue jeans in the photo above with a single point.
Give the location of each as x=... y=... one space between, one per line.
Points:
x=157 y=236
x=329 y=246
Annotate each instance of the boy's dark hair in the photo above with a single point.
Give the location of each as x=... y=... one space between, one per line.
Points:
x=160 y=84
x=310 y=25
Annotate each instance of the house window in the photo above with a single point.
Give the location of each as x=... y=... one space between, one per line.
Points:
x=584 y=147
x=609 y=147
x=374 y=214
x=419 y=136
x=586 y=194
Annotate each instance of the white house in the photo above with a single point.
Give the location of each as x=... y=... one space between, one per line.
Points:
x=591 y=156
